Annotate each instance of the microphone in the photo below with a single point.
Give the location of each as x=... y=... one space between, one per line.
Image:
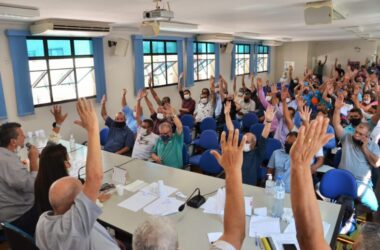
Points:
x=194 y=202
x=80 y=178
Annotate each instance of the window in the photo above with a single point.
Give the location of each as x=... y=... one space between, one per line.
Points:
x=61 y=69
x=204 y=60
x=242 y=57
x=161 y=58
x=262 y=58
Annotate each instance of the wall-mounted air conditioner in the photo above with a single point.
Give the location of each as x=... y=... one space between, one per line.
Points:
x=215 y=38
x=64 y=27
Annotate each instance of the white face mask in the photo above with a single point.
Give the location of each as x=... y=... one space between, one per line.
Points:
x=160 y=116
x=295 y=81
x=367 y=101
x=187 y=97
x=288 y=100
x=134 y=113
x=204 y=100
x=143 y=131
x=268 y=98
x=247 y=147
x=240 y=94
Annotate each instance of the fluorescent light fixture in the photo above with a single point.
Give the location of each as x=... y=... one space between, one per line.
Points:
x=247 y=34
x=18 y=11
x=177 y=26
x=215 y=38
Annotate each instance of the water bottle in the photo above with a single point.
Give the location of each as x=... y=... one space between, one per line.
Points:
x=278 y=198
x=269 y=185
x=72 y=142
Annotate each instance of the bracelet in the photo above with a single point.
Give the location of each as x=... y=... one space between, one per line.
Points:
x=268 y=121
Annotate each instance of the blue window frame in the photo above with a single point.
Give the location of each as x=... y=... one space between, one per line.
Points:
x=61 y=69
x=262 y=58
x=242 y=59
x=204 y=60
x=161 y=61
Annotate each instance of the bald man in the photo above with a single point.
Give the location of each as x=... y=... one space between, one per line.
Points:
x=72 y=223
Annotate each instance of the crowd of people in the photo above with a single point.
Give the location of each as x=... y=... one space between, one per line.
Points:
x=310 y=116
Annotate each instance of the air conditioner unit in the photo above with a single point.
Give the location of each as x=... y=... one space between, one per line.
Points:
x=272 y=43
x=320 y=12
x=215 y=38
x=64 y=27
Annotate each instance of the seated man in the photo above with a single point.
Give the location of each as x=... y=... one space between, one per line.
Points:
x=188 y=103
x=168 y=150
x=120 y=138
x=146 y=139
x=72 y=223
x=159 y=233
x=246 y=105
x=359 y=154
x=16 y=182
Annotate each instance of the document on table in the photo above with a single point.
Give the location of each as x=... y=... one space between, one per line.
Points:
x=264 y=226
x=280 y=239
x=137 y=201
x=291 y=228
x=152 y=188
x=213 y=205
x=163 y=206
x=135 y=186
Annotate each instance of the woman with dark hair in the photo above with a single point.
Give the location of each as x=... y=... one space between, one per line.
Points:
x=54 y=162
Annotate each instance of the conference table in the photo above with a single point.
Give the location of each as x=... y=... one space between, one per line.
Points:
x=193 y=225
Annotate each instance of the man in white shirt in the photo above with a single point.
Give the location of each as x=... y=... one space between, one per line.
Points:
x=246 y=105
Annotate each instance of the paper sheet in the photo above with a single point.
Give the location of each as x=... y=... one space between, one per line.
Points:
x=280 y=239
x=212 y=237
x=163 y=206
x=137 y=201
x=211 y=206
x=135 y=186
x=152 y=188
x=260 y=211
x=248 y=205
x=291 y=228
x=264 y=226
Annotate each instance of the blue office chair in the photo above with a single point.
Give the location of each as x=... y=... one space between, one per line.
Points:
x=338 y=182
x=186 y=135
x=337 y=157
x=209 y=164
x=17 y=238
x=257 y=129
x=208 y=123
x=272 y=145
x=207 y=140
x=104 y=135
x=236 y=124
x=248 y=120
x=187 y=120
x=185 y=155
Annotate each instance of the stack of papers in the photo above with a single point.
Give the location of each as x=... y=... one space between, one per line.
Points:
x=163 y=206
x=264 y=226
x=137 y=201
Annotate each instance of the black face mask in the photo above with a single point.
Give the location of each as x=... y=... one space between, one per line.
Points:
x=119 y=124
x=355 y=121
x=247 y=100
x=288 y=146
x=165 y=138
x=357 y=142
x=305 y=92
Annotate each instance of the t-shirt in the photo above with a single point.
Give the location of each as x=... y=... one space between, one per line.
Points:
x=170 y=153
x=252 y=161
x=354 y=160
x=75 y=229
x=246 y=108
x=203 y=111
x=222 y=245
x=144 y=145
x=118 y=138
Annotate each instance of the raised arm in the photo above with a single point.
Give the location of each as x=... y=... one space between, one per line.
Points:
x=180 y=87
x=234 y=86
x=124 y=99
x=94 y=167
x=103 y=111
x=304 y=204
x=141 y=95
x=305 y=113
x=339 y=130
x=269 y=116
x=169 y=110
x=325 y=60
x=287 y=117
x=375 y=118
x=227 y=110
x=59 y=118
x=234 y=212
x=153 y=92
x=149 y=104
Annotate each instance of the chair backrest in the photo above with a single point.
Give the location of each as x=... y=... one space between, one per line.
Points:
x=208 y=123
x=249 y=119
x=209 y=164
x=17 y=238
x=257 y=129
x=236 y=124
x=272 y=145
x=337 y=157
x=185 y=155
x=186 y=135
x=338 y=182
x=209 y=139
x=104 y=135
x=187 y=120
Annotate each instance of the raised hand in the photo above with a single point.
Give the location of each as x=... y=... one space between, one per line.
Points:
x=124 y=92
x=269 y=113
x=87 y=115
x=305 y=114
x=339 y=103
x=58 y=116
x=231 y=158
x=284 y=93
x=259 y=82
x=169 y=110
x=227 y=107
x=104 y=100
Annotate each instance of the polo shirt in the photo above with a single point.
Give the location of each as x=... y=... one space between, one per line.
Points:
x=16 y=186
x=75 y=229
x=170 y=153
x=118 y=138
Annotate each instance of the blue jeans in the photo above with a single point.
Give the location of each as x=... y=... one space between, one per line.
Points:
x=367 y=195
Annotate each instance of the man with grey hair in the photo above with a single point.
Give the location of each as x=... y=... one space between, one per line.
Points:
x=72 y=223
x=168 y=150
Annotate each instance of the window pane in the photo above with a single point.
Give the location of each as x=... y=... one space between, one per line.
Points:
x=83 y=47
x=201 y=48
x=195 y=48
x=61 y=63
x=210 y=48
x=59 y=47
x=240 y=49
x=86 y=82
x=35 y=47
x=40 y=87
x=159 y=74
x=146 y=45
x=158 y=47
x=203 y=67
x=84 y=62
x=63 y=84
x=37 y=65
x=266 y=49
x=211 y=66
x=171 y=47
x=147 y=69
x=195 y=68
x=246 y=49
x=172 y=66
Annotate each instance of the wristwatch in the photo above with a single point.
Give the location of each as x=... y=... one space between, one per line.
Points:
x=56 y=125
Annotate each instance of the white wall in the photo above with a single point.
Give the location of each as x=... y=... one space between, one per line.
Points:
x=119 y=75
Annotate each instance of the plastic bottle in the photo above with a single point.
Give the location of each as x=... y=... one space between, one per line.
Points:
x=278 y=198
x=269 y=185
x=72 y=142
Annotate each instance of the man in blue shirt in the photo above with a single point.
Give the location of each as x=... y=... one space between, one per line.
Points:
x=129 y=113
x=120 y=138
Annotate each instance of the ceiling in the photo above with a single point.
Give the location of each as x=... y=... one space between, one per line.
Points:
x=271 y=19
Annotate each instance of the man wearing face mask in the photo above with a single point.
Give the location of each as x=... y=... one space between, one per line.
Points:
x=359 y=154
x=168 y=150
x=204 y=109
x=355 y=117
x=254 y=149
x=188 y=103
x=246 y=105
x=120 y=138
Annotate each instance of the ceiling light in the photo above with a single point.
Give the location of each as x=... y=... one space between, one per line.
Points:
x=18 y=11
x=177 y=26
x=247 y=34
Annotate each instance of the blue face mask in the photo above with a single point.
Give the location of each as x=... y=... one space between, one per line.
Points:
x=165 y=138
